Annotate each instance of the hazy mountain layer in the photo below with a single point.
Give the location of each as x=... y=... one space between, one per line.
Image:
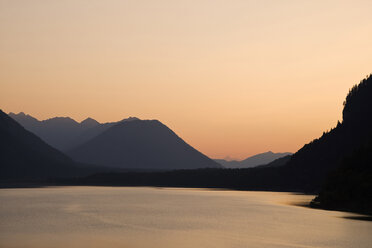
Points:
x=63 y=133
x=256 y=160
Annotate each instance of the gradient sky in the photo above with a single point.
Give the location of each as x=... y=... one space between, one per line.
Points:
x=232 y=78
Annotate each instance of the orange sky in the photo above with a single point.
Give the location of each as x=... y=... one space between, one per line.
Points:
x=232 y=78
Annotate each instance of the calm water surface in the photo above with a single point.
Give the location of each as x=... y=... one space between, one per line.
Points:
x=170 y=218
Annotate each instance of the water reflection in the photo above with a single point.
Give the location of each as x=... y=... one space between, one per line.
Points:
x=152 y=217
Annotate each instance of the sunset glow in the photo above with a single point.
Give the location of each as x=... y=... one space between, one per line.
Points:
x=232 y=78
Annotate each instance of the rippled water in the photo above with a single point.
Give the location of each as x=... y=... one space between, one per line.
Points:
x=170 y=218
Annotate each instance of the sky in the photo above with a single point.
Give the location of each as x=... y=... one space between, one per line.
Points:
x=232 y=78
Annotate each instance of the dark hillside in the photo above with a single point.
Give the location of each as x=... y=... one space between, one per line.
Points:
x=316 y=159
x=23 y=155
x=350 y=186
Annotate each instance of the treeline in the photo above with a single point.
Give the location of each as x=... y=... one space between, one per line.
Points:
x=271 y=179
x=350 y=186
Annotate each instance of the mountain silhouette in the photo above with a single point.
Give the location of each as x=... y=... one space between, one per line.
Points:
x=23 y=155
x=253 y=161
x=314 y=161
x=59 y=132
x=349 y=187
x=63 y=133
x=89 y=123
x=140 y=144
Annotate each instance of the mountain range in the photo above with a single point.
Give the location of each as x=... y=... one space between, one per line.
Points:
x=253 y=161
x=64 y=133
x=130 y=143
x=74 y=138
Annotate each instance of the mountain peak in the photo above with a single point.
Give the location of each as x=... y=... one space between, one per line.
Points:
x=61 y=121
x=131 y=118
x=21 y=116
x=89 y=122
x=253 y=161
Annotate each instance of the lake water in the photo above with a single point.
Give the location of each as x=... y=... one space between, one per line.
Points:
x=170 y=218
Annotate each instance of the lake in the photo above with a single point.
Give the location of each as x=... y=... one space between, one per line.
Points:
x=170 y=218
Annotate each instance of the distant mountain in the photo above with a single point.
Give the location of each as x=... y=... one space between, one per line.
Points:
x=253 y=161
x=23 y=155
x=63 y=133
x=89 y=123
x=141 y=144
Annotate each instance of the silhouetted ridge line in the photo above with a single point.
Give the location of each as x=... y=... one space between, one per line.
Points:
x=349 y=187
x=64 y=133
x=253 y=161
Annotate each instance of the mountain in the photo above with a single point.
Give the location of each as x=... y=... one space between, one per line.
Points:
x=141 y=144
x=63 y=133
x=256 y=160
x=89 y=123
x=73 y=137
x=23 y=155
x=313 y=162
x=349 y=187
